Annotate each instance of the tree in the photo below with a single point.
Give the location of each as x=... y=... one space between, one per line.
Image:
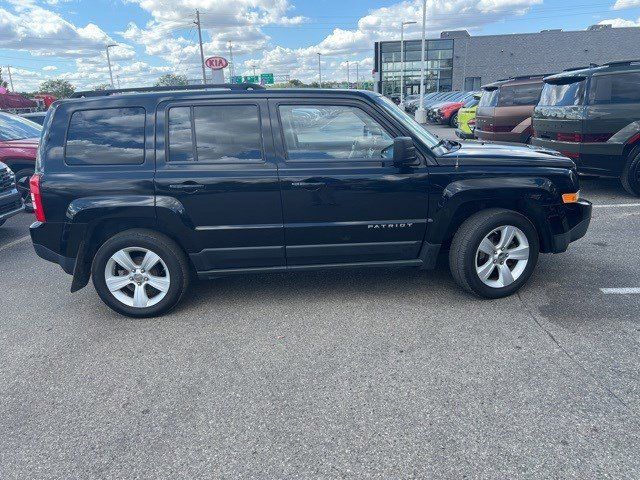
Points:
x=58 y=87
x=171 y=80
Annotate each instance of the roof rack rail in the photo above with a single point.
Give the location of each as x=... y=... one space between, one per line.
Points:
x=525 y=77
x=620 y=62
x=573 y=69
x=226 y=86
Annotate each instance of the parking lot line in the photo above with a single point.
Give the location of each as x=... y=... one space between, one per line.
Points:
x=15 y=242
x=617 y=205
x=621 y=291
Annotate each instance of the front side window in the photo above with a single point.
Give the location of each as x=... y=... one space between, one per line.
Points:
x=111 y=136
x=215 y=133
x=618 y=88
x=315 y=132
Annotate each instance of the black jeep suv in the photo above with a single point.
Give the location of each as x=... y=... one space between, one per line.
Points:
x=592 y=115
x=143 y=190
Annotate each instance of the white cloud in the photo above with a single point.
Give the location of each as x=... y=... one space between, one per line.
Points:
x=620 y=22
x=622 y=4
x=49 y=68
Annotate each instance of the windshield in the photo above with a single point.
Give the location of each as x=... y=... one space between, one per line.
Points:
x=407 y=120
x=13 y=127
x=562 y=95
x=489 y=98
x=472 y=102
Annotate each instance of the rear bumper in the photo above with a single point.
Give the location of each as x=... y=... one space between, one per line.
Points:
x=67 y=264
x=604 y=158
x=572 y=226
x=10 y=205
x=51 y=242
x=464 y=135
x=506 y=137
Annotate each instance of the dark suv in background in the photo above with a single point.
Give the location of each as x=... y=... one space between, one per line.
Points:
x=10 y=201
x=592 y=115
x=142 y=190
x=505 y=109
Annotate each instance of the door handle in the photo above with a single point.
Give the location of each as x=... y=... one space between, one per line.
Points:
x=308 y=185
x=186 y=187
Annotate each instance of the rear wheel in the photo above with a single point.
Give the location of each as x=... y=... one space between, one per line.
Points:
x=631 y=174
x=453 y=121
x=494 y=252
x=140 y=273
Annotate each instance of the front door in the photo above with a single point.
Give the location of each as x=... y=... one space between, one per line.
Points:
x=343 y=199
x=216 y=178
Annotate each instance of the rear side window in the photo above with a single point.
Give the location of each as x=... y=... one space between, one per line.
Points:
x=519 y=95
x=563 y=94
x=112 y=136
x=215 y=133
x=619 y=88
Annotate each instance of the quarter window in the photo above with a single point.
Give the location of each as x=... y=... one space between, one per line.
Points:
x=333 y=132
x=113 y=136
x=619 y=88
x=215 y=133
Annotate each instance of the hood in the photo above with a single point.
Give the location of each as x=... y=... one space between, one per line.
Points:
x=505 y=154
x=452 y=105
x=26 y=143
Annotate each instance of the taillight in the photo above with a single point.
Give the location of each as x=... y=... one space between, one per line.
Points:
x=569 y=137
x=586 y=138
x=36 y=197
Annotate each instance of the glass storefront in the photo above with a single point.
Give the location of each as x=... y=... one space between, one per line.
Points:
x=438 y=66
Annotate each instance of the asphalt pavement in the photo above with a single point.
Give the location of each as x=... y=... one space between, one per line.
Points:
x=346 y=374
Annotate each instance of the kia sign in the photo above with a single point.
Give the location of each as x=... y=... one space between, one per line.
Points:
x=216 y=63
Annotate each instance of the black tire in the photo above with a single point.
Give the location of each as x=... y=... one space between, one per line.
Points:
x=22 y=183
x=462 y=256
x=169 y=251
x=631 y=174
x=453 y=121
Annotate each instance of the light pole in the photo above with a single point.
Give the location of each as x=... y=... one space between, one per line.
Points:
x=319 y=70
x=348 y=79
x=231 y=67
x=109 y=62
x=421 y=113
x=402 y=61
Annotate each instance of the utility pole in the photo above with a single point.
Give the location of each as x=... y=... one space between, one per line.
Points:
x=10 y=78
x=319 y=70
x=421 y=114
x=348 y=79
x=109 y=63
x=231 y=71
x=357 y=76
x=197 y=22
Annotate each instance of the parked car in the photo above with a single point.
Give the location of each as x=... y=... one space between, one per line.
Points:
x=430 y=99
x=592 y=115
x=35 y=117
x=504 y=112
x=10 y=201
x=447 y=113
x=467 y=118
x=18 y=146
x=139 y=191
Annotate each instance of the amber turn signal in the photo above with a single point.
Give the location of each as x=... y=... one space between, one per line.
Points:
x=571 y=197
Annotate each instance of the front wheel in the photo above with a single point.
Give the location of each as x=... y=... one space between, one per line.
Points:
x=22 y=184
x=631 y=175
x=494 y=252
x=453 y=122
x=140 y=273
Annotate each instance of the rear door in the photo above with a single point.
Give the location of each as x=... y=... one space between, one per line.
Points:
x=343 y=199
x=216 y=173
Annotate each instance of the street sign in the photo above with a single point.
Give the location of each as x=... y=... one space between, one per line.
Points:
x=216 y=63
x=266 y=79
x=237 y=79
x=252 y=79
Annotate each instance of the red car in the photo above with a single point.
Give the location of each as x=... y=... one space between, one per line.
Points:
x=447 y=112
x=18 y=144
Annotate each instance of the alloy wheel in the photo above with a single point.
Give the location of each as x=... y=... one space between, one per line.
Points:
x=502 y=256
x=137 y=277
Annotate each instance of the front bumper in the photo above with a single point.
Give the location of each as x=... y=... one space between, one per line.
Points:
x=464 y=135
x=572 y=225
x=10 y=205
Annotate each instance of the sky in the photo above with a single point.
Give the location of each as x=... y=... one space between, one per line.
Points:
x=43 y=39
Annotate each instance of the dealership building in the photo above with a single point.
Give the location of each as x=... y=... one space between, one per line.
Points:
x=460 y=61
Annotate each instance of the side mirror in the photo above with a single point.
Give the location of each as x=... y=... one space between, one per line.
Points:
x=404 y=152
